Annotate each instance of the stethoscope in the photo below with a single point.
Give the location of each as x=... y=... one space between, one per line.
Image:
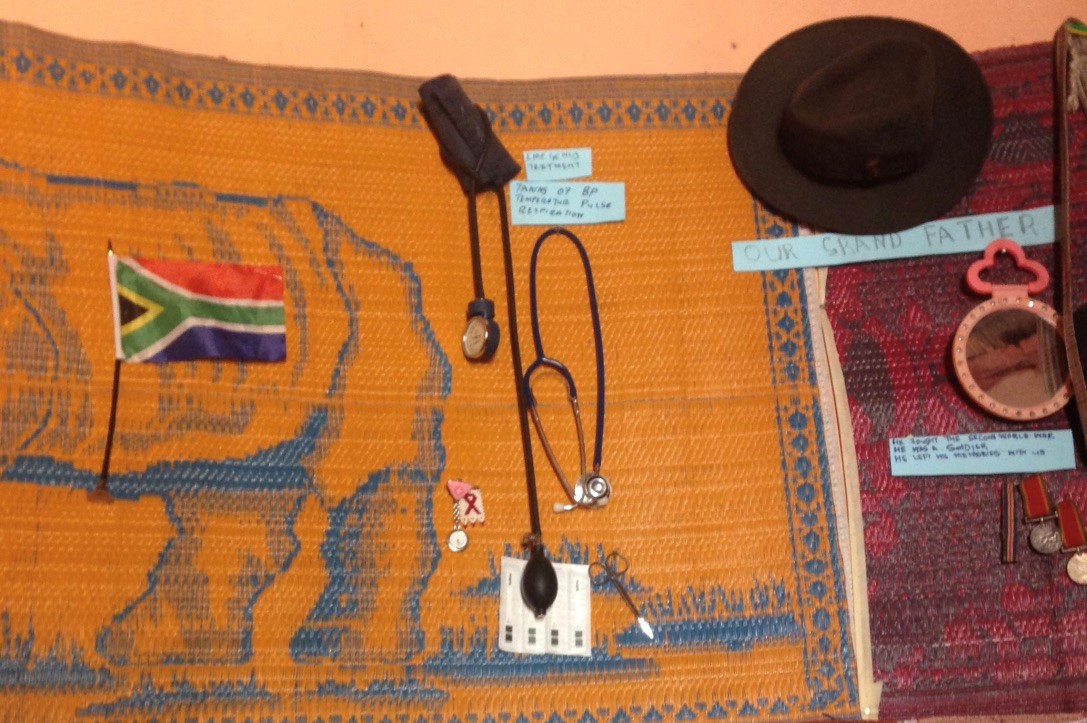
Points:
x=591 y=490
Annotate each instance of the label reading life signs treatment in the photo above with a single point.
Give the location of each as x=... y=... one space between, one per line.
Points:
x=559 y=164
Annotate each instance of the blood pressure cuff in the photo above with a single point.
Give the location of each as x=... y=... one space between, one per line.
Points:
x=468 y=145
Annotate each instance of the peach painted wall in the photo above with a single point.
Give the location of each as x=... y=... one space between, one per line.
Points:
x=513 y=39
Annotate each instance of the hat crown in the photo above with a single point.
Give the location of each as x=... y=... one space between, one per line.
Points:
x=864 y=117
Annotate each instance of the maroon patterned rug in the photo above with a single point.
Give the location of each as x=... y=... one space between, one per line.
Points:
x=953 y=630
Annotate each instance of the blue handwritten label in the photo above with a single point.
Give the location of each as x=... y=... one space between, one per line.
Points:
x=992 y=453
x=560 y=164
x=965 y=234
x=549 y=202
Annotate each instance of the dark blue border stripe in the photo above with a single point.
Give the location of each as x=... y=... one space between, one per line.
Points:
x=89 y=182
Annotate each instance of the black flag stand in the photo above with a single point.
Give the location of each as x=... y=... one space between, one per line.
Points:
x=101 y=492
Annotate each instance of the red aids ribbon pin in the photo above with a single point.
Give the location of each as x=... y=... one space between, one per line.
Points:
x=471 y=507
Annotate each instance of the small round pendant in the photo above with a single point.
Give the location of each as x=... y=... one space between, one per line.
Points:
x=1045 y=538
x=458 y=540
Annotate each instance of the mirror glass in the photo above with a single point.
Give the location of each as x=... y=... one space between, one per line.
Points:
x=1017 y=358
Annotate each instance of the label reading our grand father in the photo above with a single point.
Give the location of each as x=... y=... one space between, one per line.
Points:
x=992 y=453
x=550 y=203
x=966 y=234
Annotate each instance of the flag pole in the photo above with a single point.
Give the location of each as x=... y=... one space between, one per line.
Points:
x=101 y=492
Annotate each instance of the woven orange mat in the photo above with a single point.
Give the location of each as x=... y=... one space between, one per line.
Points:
x=276 y=549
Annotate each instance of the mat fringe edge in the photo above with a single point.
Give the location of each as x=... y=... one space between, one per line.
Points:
x=842 y=459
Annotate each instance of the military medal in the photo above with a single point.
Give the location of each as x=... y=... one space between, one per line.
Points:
x=1074 y=540
x=1077 y=568
x=1045 y=536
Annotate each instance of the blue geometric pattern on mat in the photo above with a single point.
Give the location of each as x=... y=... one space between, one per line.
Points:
x=277 y=475
x=350 y=106
x=800 y=425
x=62 y=667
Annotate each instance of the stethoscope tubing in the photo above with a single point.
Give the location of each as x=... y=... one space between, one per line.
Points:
x=544 y=361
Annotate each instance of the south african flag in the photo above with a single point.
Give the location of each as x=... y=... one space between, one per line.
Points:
x=166 y=311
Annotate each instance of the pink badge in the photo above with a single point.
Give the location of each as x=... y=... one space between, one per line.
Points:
x=458 y=488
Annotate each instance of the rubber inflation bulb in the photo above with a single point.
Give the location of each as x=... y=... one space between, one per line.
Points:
x=539 y=584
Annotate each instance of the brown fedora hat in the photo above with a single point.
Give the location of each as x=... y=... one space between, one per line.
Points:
x=861 y=125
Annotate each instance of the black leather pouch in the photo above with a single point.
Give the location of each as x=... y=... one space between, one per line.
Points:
x=468 y=144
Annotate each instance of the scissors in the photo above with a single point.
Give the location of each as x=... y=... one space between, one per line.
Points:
x=610 y=569
x=591 y=489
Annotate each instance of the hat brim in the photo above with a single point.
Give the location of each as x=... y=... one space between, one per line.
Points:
x=963 y=120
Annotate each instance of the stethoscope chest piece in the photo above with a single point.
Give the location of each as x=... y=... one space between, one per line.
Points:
x=590 y=491
x=594 y=489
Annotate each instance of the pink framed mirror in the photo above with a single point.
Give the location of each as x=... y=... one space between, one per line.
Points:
x=1008 y=352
